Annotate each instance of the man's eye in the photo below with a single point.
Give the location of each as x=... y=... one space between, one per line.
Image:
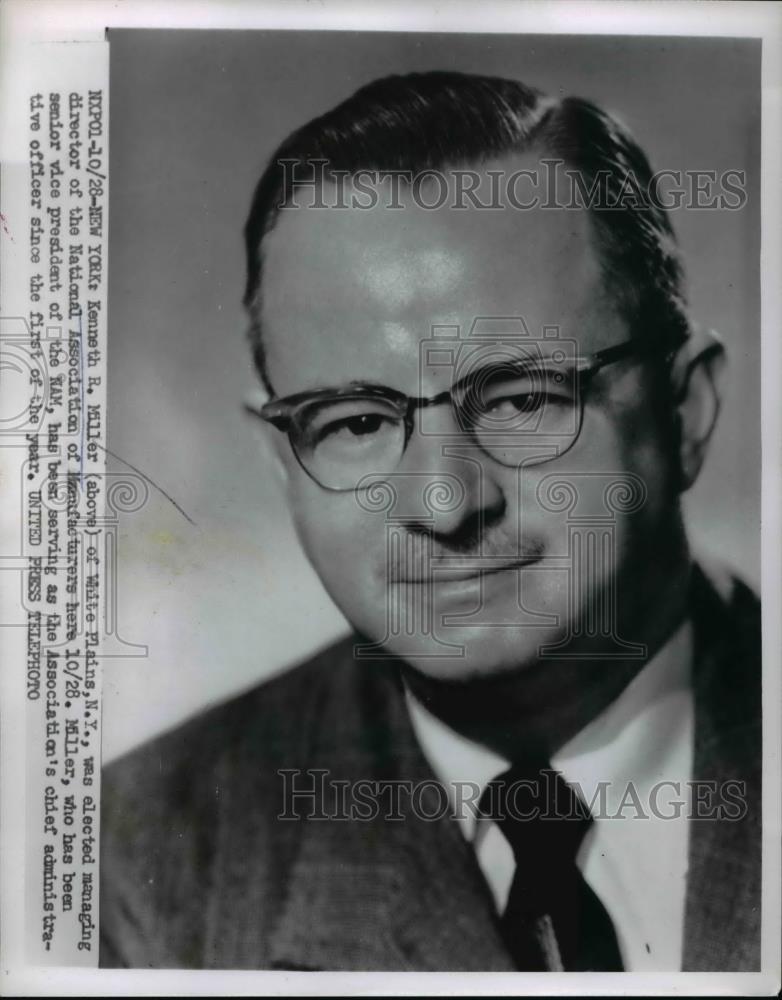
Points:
x=520 y=403
x=528 y=396
x=361 y=425
x=527 y=402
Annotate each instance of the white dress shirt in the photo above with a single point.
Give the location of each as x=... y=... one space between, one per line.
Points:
x=635 y=861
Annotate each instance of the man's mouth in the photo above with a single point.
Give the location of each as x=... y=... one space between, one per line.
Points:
x=454 y=570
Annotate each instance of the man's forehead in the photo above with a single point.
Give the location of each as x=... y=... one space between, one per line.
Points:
x=386 y=275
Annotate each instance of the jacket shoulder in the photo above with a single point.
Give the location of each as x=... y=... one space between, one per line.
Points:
x=264 y=722
x=167 y=807
x=727 y=618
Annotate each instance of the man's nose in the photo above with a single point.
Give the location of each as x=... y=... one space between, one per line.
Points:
x=447 y=486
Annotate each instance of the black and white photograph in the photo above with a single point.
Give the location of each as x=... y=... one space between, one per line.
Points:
x=429 y=504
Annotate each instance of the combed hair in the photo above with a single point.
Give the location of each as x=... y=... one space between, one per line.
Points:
x=437 y=120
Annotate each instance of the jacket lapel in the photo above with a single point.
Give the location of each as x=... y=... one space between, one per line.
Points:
x=722 y=917
x=386 y=893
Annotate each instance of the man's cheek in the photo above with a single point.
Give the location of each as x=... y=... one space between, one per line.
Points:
x=335 y=534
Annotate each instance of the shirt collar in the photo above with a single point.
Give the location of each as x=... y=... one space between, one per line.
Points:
x=632 y=739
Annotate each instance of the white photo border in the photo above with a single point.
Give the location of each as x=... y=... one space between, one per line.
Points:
x=23 y=23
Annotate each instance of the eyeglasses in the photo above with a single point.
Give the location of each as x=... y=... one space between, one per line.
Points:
x=527 y=410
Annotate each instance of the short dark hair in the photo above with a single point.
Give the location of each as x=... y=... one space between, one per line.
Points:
x=430 y=121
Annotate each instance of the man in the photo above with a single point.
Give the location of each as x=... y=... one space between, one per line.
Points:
x=486 y=400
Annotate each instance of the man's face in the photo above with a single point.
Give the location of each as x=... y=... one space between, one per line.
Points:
x=474 y=587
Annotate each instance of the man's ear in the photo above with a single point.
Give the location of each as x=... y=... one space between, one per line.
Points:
x=697 y=376
x=273 y=442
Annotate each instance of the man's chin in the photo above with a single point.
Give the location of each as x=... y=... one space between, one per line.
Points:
x=474 y=653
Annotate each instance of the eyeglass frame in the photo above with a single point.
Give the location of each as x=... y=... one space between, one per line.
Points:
x=281 y=413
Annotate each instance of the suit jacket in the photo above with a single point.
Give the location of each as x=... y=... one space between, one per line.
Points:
x=197 y=871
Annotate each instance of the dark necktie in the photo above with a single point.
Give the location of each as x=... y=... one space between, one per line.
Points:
x=553 y=921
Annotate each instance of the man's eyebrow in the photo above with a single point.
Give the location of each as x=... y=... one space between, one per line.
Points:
x=370 y=383
x=356 y=383
x=345 y=387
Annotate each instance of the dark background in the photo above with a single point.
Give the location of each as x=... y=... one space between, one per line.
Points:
x=228 y=599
